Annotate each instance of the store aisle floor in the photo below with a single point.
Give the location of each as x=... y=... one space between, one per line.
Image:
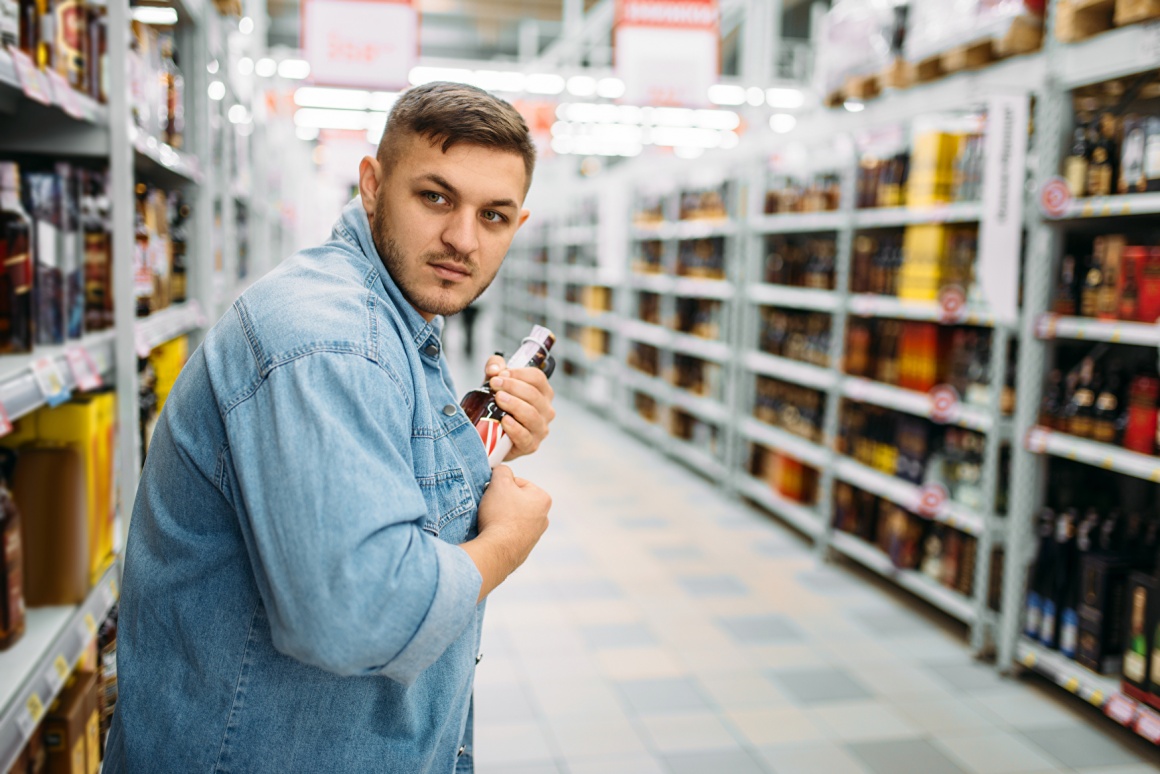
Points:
x=660 y=627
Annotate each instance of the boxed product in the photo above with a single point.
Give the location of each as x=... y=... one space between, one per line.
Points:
x=1103 y=584
x=937 y=26
x=1143 y=605
x=855 y=39
x=66 y=727
x=924 y=249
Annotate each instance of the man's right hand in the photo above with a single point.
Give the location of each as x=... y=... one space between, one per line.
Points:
x=513 y=516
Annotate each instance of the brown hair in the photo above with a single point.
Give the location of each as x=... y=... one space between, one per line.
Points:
x=457 y=113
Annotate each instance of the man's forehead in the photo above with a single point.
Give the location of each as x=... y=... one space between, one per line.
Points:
x=471 y=169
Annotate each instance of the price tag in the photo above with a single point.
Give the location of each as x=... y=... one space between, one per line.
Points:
x=65 y=95
x=1148 y=725
x=27 y=720
x=1054 y=198
x=50 y=380
x=58 y=674
x=862 y=305
x=1072 y=685
x=90 y=624
x=944 y=404
x=110 y=596
x=32 y=80
x=1121 y=710
x=1097 y=698
x=6 y=423
x=856 y=389
x=1037 y=440
x=1030 y=659
x=1045 y=326
x=932 y=496
x=84 y=370
x=141 y=343
x=952 y=302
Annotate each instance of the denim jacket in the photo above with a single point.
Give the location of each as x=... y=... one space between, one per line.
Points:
x=294 y=599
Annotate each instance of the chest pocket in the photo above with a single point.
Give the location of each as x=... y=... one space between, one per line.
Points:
x=449 y=505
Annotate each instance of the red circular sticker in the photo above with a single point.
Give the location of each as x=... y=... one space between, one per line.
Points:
x=931 y=499
x=1045 y=325
x=952 y=301
x=944 y=403
x=1037 y=440
x=1054 y=198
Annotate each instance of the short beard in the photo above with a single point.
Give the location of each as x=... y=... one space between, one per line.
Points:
x=396 y=265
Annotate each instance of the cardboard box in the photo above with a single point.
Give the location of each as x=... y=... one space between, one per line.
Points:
x=1142 y=600
x=65 y=727
x=1103 y=589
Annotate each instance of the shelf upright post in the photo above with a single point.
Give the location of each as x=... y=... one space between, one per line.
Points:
x=733 y=332
x=199 y=266
x=121 y=196
x=1027 y=469
x=744 y=337
x=228 y=176
x=842 y=271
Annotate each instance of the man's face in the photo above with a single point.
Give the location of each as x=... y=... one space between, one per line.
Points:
x=443 y=222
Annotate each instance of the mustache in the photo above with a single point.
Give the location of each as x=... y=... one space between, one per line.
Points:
x=455 y=258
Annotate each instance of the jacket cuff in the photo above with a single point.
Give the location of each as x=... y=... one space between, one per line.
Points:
x=456 y=591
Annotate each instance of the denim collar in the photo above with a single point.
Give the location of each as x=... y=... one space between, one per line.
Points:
x=354 y=227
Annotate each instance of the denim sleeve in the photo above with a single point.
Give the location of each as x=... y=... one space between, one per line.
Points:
x=332 y=514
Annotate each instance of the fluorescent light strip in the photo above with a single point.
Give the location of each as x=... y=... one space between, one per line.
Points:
x=159 y=16
x=294 y=69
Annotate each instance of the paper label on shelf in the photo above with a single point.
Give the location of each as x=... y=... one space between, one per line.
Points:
x=65 y=96
x=1037 y=440
x=862 y=305
x=27 y=720
x=932 y=496
x=1045 y=325
x=58 y=674
x=944 y=404
x=5 y=422
x=1121 y=710
x=32 y=80
x=84 y=370
x=141 y=343
x=50 y=381
x=952 y=302
x=1054 y=198
x=1148 y=725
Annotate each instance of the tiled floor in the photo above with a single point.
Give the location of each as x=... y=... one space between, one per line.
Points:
x=661 y=628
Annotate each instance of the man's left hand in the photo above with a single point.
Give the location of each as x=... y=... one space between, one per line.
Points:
x=526 y=397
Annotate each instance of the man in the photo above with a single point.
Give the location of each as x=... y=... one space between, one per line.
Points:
x=312 y=543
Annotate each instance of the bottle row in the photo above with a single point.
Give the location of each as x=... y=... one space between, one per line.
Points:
x=1107 y=394
x=940 y=167
x=1117 y=277
x=71 y=737
x=1115 y=146
x=692 y=374
x=709 y=203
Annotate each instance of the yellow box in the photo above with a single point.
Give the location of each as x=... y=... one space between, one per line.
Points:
x=932 y=169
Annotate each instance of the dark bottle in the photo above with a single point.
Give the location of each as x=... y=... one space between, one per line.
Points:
x=68 y=56
x=1075 y=166
x=1104 y=156
x=98 y=257
x=1107 y=408
x=29 y=28
x=142 y=270
x=179 y=237
x=1063 y=549
x=479 y=404
x=17 y=328
x=1069 y=612
x=1065 y=292
x=1049 y=408
x=1080 y=410
x=1090 y=290
x=11 y=560
x=97 y=51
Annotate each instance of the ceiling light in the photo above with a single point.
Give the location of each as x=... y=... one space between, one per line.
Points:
x=266 y=68
x=697 y=138
x=610 y=88
x=376 y=125
x=498 y=80
x=212 y=67
x=308 y=133
x=667 y=116
x=245 y=25
x=421 y=75
x=755 y=96
x=582 y=85
x=544 y=83
x=383 y=101
x=337 y=99
x=729 y=140
x=785 y=99
x=782 y=122
x=217 y=90
x=158 y=16
x=717 y=119
x=237 y=114
x=854 y=106
x=688 y=152
x=355 y=120
x=294 y=69
x=245 y=65
x=725 y=94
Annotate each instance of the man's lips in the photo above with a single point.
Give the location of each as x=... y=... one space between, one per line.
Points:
x=450 y=271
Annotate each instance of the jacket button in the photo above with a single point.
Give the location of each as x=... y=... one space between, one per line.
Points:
x=432 y=350
x=461 y=751
x=479 y=658
x=449 y=409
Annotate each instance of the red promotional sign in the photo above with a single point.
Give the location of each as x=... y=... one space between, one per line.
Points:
x=931 y=499
x=367 y=44
x=952 y=304
x=1055 y=198
x=668 y=52
x=674 y=14
x=944 y=403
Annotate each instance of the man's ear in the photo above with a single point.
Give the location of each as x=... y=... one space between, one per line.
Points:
x=370 y=177
x=522 y=219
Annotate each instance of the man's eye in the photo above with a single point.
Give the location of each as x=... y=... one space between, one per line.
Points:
x=434 y=198
x=492 y=216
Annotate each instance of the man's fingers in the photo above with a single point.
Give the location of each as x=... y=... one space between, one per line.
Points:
x=502 y=472
x=495 y=364
x=528 y=415
x=522 y=438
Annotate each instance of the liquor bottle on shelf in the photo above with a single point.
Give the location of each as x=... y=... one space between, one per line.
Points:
x=17 y=315
x=1075 y=166
x=1065 y=292
x=480 y=406
x=69 y=43
x=1064 y=551
x=1104 y=158
x=1107 y=411
x=97 y=51
x=98 y=254
x=12 y=619
x=1069 y=612
x=43 y=193
x=1080 y=411
x=1042 y=571
x=173 y=87
x=142 y=271
x=179 y=236
x=1141 y=427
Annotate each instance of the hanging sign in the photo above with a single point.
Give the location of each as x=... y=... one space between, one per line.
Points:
x=365 y=44
x=1001 y=228
x=668 y=51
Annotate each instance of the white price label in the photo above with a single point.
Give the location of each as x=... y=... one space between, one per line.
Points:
x=862 y=305
x=29 y=717
x=1121 y=710
x=944 y=404
x=1037 y=440
x=1045 y=326
x=64 y=95
x=1148 y=725
x=931 y=499
x=141 y=343
x=5 y=422
x=32 y=80
x=50 y=381
x=58 y=674
x=84 y=369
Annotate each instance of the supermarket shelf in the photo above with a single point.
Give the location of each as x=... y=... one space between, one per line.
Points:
x=575 y=235
x=949 y=601
x=799 y=223
x=913 y=402
x=685 y=229
x=166 y=325
x=84 y=108
x=653 y=283
x=163 y=164
x=799 y=516
x=30 y=672
x=695 y=458
x=870 y=305
x=702 y=408
x=784 y=441
x=1040 y=440
x=642 y=382
x=646 y=431
x=702 y=288
x=790 y=370
x=708 y=349
x=582 y=315
x=1101 y=691
x=639 y=330
x=907 y=495
x=1113 y=206
x=784 y=296
x=20 y=393
x=888 y=217
x=1051 y=326
x=1113 y=54
x=587 y=275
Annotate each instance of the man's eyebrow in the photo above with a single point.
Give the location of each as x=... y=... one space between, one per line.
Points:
x=440 y=181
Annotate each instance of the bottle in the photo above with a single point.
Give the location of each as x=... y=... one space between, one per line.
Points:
x=1080 y=412
x=1141 y=425
x=29 y=28
x=69 y=41
x=45 y=35
x=17 y=325
x=11 y=560
x=98 y=253
x=178 y=236
x=1075 y=166
x=174 y=95
x=1090 y=291
x=1065 y=290
x=142 y=271
x=1063 y=549
x=1069 y=615
x=1136 y=654
x=1107 y=407
x=480 y=405
x=1049 y=407
x=97 y=54
x=1104 y=157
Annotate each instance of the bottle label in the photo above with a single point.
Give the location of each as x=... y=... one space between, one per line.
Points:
x=1069 y=633
x=1135 y=666
x=19 y=270
x=1033 y=616
x=1047 y=626
x=1155 y=666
